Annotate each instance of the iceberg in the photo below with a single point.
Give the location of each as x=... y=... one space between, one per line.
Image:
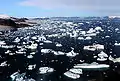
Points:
x=71 y=54
x=31 y=67
x=88 y=38
x=43 y=70
x=47 y=41
x=71 y=75
x=3 y=63
x=46 y=50
x=59 y=45
x=76 y=71
x=91 y=66
x=17 y=76
x=29 y=56
x=2 y=43
x=114 y=60
x=94 y=47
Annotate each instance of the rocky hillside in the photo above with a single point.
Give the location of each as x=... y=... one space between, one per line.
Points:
x=13 y=22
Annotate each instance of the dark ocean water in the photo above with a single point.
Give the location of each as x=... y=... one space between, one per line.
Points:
x=61 y=63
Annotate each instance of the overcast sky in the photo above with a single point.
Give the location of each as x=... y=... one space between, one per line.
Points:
x=48 y=8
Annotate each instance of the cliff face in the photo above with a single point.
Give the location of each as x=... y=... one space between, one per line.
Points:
x=7 y=22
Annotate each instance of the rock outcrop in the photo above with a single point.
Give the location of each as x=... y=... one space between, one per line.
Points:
x=13 y=22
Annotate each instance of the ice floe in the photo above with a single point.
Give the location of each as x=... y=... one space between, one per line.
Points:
x=88 y=38
x=115 y=60
x=91 y=66
x=30 y=56
x=46 y=50
x=17 y=76
x=71 y=53
x=31 y=67
x=77 y=71
x=3 y=63
x=2 y=43
x=117 y=44
x=43 y=70
x=72 y=75
x=59 y=45
x=94 y=47
x=47 y=41
x=17 y=40
x=102 y=56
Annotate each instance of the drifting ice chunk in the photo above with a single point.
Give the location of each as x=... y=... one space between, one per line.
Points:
x=76 y=71
x=44 y=70
x=83 y=32
x=17 y=40
x=2 y=43
x=20 y=52
x=88 y=38
x=101 y=59
x=117 y=44
x=102 y=54
x=91 y=30
x=71 y=75
x=17 y=76
x=71 y=54
x=8 y=51
x=34 y=38
x=116 y=29
x=91 y=66
x=14 y=75
x=33 y=46
x=47 y=41
x=3 y=63
x=29 y=56
x=33 y=53
x=31 y=67
x=42 y=38
x=90 y=48
x=59 y=45
x=94 y=47
x=46 y=50
x=80 y=38
x=114 y=60
x=58 y=53
x=98 y=28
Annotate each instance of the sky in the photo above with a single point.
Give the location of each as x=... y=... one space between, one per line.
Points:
x=60 y=8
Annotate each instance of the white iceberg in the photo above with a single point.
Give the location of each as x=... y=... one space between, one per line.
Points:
x=88 y=38
x=3 y=63
x=114 y=60
x=32 y=46
x=47 y=41
x=91 y=66
x=59 y=45
x=29 y=56
x=117 y=44
x=2 y=43
x=101 y=59
x=102 y=54
x=58 y=53
x=71 y=75
x=17 y=76
x=43 y=70
x=80 y=38
x=94 y=47
x=31 y=67
x=71 y=53
x=17 y=40
x=46 y=50
x=76 y=71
